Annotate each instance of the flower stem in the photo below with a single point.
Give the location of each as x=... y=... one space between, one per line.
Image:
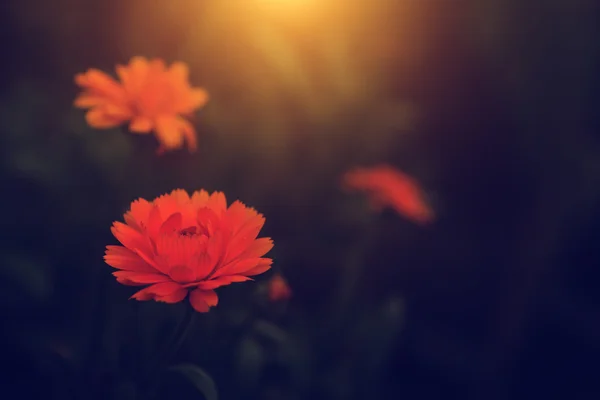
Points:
x=175 y=341
x=179 y=334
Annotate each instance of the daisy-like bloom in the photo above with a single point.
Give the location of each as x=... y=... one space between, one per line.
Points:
x=149 y=95
x=279 y=289
x=388 y=187
x=179 y=243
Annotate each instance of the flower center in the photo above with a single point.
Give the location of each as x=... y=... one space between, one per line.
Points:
x=189 y=231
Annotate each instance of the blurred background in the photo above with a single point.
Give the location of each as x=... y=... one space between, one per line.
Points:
x=492 y=105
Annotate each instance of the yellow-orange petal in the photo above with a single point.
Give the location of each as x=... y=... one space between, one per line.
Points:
x=198 y=98
x=168 y=132
x=124 y=75
x=134 y=74
x=80 y=79
x=202 y=300
x=99 y=119
x=189 y=134
x=157 y=66
x=179 y=72
x=86 y=100
x=117 y=111
x=100 y=82
x=141 y=124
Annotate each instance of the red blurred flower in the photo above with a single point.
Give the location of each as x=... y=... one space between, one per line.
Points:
x=179 y=244
x=279 y=289
x=388 y=187
x=149 y=95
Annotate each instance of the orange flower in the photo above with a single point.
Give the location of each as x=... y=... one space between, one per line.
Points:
x=149 y=95
x=179 y=244
x=389 y=187
x=279 y=289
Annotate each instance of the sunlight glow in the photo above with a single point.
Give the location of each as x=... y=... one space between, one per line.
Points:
x=288 y=5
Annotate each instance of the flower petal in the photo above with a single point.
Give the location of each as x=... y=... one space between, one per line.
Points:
x=179 y=72
x=168 y=132
x=389 y=187
x=182 y=274
x=139 y=211
x=222 y=281
x=152 y=260
x=86 y=100
x=155 y=220
x=100 y=83
x=278 y=288
x=125 y=259
x=139 y=278
x=263 y=266
x=158 y=290
x=217 y=202
x=141 y=124
x=133 y=75
x=172 y=224
x=240 y=266
x=197 y=98
x=188 y=133
x=178 y=250
x=199 y=198
x=130 y=237
x=243 y=240
x=174 y=297
x=99 y=119
x=259 y=248
x=203 y=265
x=207 y=221
x=202 y=300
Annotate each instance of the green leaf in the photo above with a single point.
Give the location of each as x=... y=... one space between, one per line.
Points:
x=270 y=331
x=199 y=378
x=250 y=362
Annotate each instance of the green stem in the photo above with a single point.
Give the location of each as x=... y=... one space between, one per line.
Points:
x=357 y=262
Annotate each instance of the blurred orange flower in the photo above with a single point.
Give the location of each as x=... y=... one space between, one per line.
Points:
x=179 y=244
x=388 y=187
x=149 y=95
x=279 y=289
